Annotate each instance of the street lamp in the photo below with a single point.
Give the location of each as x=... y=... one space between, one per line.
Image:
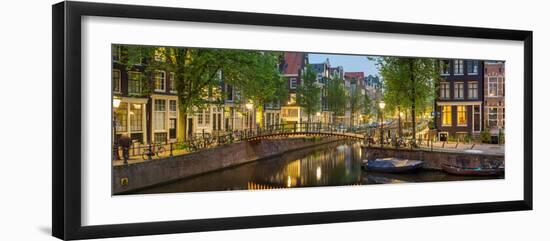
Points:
x=116 y=104
x=382 y=105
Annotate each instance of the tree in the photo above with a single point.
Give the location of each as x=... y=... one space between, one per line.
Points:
x=336 y=96
x=199 y=74
x=308 y=94
x=260 y=81
x=409 y=83
x=355 y=103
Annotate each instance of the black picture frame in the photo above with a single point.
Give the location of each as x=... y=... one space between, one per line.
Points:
x=66 y=152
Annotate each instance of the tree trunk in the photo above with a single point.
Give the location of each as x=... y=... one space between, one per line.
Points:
x=182 y=130
x=400 y=129
x=413 y=97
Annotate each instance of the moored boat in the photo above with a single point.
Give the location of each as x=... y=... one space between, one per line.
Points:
x=473 y=171
x=392 y=165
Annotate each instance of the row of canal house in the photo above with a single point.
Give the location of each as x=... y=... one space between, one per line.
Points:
x=146 y=108
x=470 y=98
x=152 y=115
x=292 y=68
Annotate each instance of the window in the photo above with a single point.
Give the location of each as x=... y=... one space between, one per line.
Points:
x=459 y=90
x=160 y=137
x=293 y=83
x=160 y=114
x=136 y=117
x=444 y=91
x=472 y=90
x=160 y=81
x=117 y=53
x=121 y=117
x=116 y=81
x=493 y=86
x=229 y=92
x=461 y=115
x=207 y=116
x=472 y=67
x=459 y=67
x=444 y=67
x=173 y=83
x=134 y=83
x=173 y=108
x=446 y=115
x=200 y=117
x=172 y=130
x=493 y=114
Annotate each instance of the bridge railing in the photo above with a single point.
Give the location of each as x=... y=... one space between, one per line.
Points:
x=205 y=140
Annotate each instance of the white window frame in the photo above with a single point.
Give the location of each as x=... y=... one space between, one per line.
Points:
x=465 y=116
x=470 y=96
x=443 y=114
x=139 y=82
x=172 y=83
x=489 y=83
x=458 y=68
x=119 y=81
x=293 y=83
x=447 y=90
x=459 y=92
x=475 y=67
x=164 y=112
x=442 y=67
x=163 y=79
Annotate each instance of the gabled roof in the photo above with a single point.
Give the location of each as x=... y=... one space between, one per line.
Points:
x=293 y=62
x=357 y=75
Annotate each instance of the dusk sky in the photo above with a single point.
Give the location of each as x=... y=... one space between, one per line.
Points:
x=351 y=63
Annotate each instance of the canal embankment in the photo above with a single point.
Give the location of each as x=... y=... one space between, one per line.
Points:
x=434 y=159
x=128 y=178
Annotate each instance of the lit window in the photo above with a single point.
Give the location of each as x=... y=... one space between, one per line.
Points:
x=136 y=117
x=200 y=117
x=207 y=116
x=160 y=81
x=446 y=115
x=459 y=67
x=472 y=90
x=459 y=90
x=461 y=115
x=116 y=81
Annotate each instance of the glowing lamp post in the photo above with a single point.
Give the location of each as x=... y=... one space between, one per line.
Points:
x=116 y=104
x=381 y=105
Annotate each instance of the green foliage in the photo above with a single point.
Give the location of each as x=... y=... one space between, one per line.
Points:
x=308 y=93
x=336 y=96
x=409 y=83
x=500 y=136
x=485 y=136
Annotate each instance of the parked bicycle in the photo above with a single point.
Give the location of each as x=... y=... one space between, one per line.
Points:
x=153 y=150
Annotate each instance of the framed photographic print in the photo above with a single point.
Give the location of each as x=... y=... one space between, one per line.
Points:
x=169 y=120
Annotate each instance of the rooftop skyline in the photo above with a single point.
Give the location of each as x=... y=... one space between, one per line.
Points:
x=351 y=63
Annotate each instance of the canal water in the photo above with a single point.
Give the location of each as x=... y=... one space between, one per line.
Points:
x=333 y=164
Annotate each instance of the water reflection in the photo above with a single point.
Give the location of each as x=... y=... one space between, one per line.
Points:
x=329 y=165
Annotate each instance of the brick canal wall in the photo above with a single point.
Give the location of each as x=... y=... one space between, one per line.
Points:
x=433 y=159
x=149 y=173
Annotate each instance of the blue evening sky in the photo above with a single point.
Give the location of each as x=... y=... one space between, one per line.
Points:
x=351 y=63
